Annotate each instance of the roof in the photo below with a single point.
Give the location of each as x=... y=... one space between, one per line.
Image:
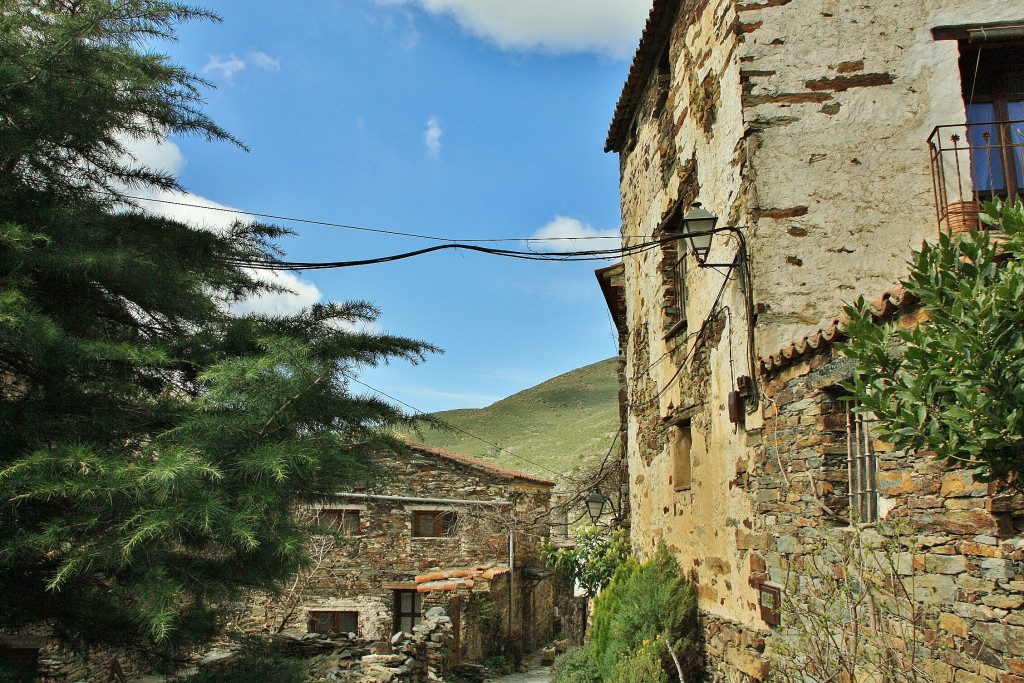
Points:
x=452 y=579
x=480 y=464
x=610 y=279
x=882 y=309
x=655 y=35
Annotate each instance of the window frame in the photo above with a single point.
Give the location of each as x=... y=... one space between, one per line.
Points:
x=998 y=90
x=414 y=615
x=443 y=525
x=314 y=616
x=341 y=522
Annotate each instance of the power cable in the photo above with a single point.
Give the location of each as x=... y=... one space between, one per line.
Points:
x=586 y=255
x=344 y=226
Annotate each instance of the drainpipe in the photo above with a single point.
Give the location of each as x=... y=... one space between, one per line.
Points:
x=511 y=577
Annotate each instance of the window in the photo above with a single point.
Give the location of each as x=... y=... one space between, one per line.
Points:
x=993 y=84
x=346 y=521
x=674 y=270
x=332 y=622
x=862 y=466
x=433 y=523
x=408 y=606
x=680 y=443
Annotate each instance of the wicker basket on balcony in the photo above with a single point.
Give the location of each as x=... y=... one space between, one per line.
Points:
x=963 y=217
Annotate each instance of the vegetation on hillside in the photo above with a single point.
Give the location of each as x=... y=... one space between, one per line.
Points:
x=154 y=445
x=565 y=424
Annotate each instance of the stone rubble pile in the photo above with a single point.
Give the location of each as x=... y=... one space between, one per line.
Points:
x=416 y=657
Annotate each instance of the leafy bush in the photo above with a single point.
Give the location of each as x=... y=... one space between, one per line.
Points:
x=643 y=666
x=967 y=412
x=576 y=666
x=592 y=561
x=262 y=667
x=642 y=605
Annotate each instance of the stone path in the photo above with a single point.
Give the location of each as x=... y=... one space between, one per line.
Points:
x=535 y=673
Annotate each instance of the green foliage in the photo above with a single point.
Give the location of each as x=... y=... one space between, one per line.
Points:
x=592 y=561
x=848 y=612
x=564 y=423
x=642 y=666
x=576 y=666
x=154 y=445
x=645 y=605
x=256 y=668
x=607 y=606
x=953 y=385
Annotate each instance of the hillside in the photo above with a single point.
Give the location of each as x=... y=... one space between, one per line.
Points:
x=565 y=424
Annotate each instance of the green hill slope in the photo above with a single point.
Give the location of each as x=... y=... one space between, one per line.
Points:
x=565 y=424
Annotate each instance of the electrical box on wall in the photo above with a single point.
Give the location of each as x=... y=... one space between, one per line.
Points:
x=735 y=407
x=770 y=601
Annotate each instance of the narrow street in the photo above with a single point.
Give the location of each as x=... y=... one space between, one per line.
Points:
x=535 y=673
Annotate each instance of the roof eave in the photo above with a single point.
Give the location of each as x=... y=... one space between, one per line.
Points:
x=655 y=36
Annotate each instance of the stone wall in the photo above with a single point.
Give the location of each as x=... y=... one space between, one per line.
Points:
x=805 y=123
x=359 y=570
x=961 y=554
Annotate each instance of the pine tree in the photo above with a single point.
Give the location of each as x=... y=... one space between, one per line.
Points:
x=154 y=448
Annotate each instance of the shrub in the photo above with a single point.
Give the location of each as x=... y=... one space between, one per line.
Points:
x=647 y=602
x=576 y=666
x=262 y=667
x=643 y=666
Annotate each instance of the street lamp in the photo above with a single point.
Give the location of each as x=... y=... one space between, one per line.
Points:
x=698 y=229
x=595 y=505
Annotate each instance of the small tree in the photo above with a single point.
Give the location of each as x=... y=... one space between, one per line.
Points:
x=154 y=446
x=592 y=561
x=953 y=384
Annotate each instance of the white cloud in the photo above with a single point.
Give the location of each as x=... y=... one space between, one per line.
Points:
x=227 y=67
x=609 y=27
x=565 y=234
x=432 y=137
x=164 y=155
x=302 y=295
x=262 y=60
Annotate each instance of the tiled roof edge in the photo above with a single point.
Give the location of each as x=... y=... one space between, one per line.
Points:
x=881 y=309
x=639 y=71
x=480 y=464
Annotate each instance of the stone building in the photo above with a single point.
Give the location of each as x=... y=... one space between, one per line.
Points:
x=832 y=138
x=434 y=529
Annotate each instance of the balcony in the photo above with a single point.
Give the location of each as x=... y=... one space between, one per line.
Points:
x=972 y=163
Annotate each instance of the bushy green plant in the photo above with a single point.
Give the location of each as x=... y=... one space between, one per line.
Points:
x=256 y=668
x=606 y=607
x=953 y=384
x=592 y=561
x=576 y=666
x=643 y=666
x=645 y=604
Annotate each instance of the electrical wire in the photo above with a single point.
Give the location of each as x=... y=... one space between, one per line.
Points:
x=344 y=226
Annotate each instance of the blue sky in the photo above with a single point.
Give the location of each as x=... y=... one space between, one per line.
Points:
x=464 y=119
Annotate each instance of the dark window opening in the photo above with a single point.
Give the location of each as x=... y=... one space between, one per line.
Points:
x=408 y=606
x=330 y=622
x=433 y=523
x=993 y=90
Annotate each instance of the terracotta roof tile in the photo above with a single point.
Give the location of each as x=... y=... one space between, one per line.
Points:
x=883 y=308
x=453 y=579
x=480 y=464
x=655 y=33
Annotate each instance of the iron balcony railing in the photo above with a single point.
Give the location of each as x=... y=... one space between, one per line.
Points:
x=972 y=163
